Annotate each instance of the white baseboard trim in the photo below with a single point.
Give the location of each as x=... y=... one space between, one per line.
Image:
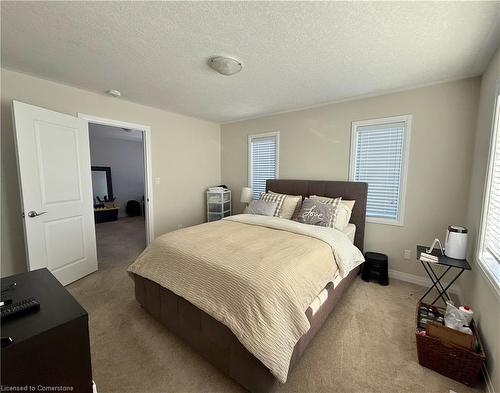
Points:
x=423 y=281
x=413 y=278
x=487 y=379
x=426 y=282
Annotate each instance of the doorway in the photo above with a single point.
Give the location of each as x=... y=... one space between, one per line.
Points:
x=120 y=185
x=54 y=167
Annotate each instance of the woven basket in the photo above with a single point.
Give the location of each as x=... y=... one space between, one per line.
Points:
x=453 y=361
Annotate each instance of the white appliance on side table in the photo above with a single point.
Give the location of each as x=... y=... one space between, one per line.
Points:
x=455 y=245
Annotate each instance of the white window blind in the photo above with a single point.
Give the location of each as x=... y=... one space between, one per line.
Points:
x=263 y=161
x=490 y=246
x=378 y=158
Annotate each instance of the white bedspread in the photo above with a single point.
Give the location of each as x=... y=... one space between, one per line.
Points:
x=257 y=275
x=347 y=256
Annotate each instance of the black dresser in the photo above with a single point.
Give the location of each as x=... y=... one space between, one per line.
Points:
x=50 y=347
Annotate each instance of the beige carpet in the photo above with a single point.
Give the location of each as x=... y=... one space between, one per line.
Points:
x=367 y=344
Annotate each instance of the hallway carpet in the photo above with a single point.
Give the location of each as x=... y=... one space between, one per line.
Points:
x=119 y=242
x=367 y=344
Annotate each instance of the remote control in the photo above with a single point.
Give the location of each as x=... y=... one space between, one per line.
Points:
x=14 y=309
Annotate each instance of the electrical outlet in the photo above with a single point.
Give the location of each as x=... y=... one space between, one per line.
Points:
x=157 y=180
x=179 y=226
x=407 y=254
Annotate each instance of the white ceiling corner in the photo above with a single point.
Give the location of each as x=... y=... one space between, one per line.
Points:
x=294 y=54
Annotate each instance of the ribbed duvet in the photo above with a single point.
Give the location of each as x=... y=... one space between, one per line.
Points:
x=255 y=274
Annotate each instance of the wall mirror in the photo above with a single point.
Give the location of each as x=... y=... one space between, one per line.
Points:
x=102 y=186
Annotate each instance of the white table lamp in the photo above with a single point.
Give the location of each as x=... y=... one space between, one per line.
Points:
x=246 y=195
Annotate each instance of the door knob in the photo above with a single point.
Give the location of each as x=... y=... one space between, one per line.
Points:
x=33 y=214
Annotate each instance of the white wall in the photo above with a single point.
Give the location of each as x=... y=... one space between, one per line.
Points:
x=476 y=289
x=315 y=143
x=126 y=160
x=185 y=156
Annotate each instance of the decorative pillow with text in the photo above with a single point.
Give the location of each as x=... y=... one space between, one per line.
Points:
x=344 y=210
x=314 y=212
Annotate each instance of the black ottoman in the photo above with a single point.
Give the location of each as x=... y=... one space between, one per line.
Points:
x=376 y=266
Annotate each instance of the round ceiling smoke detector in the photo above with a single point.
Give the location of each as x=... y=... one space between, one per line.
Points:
x=225 y=65
x=114 y=93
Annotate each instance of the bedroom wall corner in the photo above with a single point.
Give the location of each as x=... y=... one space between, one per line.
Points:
x=315 y=144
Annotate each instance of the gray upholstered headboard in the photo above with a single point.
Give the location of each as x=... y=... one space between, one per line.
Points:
x=346 y=189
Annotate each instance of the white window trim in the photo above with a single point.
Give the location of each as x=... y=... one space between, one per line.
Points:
x=407 y=119
x=485 y=266
x=276 y=134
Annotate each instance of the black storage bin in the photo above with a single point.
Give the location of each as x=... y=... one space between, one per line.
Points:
x=376 y=266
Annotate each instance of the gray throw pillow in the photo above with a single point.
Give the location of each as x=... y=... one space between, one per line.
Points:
x=278 y=198
x=262 y=208
x=314 y=212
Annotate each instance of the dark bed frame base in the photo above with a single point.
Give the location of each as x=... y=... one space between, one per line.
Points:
x=215 y=341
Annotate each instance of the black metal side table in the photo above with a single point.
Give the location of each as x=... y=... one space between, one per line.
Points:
x=443 y=260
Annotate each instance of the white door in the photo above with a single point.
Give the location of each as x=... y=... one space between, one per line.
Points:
x=53 y=159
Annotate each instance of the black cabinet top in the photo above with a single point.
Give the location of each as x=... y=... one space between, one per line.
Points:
x=57 y=306
x=443 y=259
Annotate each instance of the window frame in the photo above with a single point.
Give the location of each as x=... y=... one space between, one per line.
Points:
x=407 y=119
x=484 y=265
x=275 y=134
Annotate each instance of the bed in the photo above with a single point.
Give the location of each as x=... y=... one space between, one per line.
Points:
x=218 y=338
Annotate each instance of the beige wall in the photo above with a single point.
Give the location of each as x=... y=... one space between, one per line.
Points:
x=314 y=144
x=185 y=155
x=475 y=287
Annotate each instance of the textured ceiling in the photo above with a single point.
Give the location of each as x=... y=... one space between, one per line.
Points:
x=294 y=54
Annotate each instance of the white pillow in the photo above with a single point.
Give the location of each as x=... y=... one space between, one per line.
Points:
x=291 y=204
x=344 y=211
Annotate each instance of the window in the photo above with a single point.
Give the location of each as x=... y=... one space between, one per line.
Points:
x=379 y=150
x=489 y=243
x=263 y=157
